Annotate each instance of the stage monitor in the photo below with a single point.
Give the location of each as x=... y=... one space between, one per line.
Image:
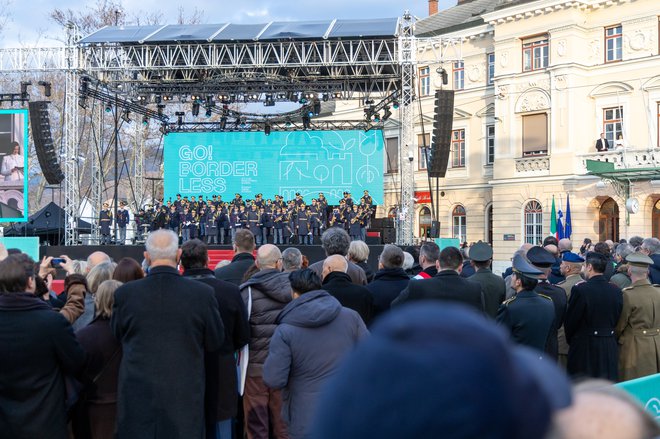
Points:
x=13 y=165
x=283 y=163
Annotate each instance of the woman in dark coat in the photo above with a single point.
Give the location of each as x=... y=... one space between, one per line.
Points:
x=37 y=348
x=97 y=417
x=314 y=333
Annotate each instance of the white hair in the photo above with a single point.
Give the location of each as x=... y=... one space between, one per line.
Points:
x=162 y=244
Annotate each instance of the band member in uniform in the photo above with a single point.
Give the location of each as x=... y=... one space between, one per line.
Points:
x=186 y=224
x=161 y=219
x=354 y=223
x=302 y=226
x=123 y=218
x=253 y=223
x=278 y=226
x=315 y=219
x=266 y=220
x=234 y=222
x=174 y=220
x=202 y=218
x=212 y=225
x=105 y=221
x=224 y=224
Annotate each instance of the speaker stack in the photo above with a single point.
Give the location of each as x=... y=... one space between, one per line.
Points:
x=442 y=126
x=43 y=142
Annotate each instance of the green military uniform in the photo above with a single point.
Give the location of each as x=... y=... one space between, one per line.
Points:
x=638 y=329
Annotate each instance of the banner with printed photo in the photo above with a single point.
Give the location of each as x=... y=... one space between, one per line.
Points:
x=283 y=163
x=13 y=165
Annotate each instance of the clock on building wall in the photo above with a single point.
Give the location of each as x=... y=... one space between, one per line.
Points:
x=632 y=205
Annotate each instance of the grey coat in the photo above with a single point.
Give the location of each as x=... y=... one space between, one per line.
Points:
x=313 y=335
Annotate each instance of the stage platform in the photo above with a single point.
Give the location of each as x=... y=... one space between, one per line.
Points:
x=216 y=252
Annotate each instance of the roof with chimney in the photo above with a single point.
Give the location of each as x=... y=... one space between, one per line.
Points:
x=464 y=15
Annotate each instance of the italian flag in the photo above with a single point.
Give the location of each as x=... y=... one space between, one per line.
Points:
x=553 y=219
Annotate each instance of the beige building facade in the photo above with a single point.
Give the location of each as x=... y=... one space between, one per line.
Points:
x=537 y=84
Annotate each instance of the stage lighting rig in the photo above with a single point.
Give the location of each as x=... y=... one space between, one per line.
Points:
x=267 y=129
x=24 y=87
x=179 y=117
x=47 y=88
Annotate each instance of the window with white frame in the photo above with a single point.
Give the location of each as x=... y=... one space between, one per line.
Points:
x=491 y=68
x=490 y=144
x=392 y=154
x=459 y=222
x=613 y=43
x=424 y=81
x=423 y=141
x=458 y=69
x=612 y=124
x=533 y=223
x=458 y=148
x=535 y=53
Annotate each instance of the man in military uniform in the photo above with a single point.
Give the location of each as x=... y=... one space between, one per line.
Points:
x=105 y=220
x=591 y=316
x=570 y=267
x=123 y=218
x=638 y=329
x=528 y=315
x=492 y=285
x=543 y=260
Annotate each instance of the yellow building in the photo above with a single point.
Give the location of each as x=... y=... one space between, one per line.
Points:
x=538 y=82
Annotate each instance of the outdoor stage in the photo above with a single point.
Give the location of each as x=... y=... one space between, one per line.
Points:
x=216 y=252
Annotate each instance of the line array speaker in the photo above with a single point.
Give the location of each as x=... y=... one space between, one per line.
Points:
x=442 y=126
x=43 y=142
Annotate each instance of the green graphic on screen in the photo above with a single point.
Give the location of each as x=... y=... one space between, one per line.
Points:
x=282 y=163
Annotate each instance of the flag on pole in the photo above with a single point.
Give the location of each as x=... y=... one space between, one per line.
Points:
x=567 y=226
x=553 y=219
x=560 y=226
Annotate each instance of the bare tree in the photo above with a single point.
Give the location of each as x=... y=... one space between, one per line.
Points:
x=195 y=17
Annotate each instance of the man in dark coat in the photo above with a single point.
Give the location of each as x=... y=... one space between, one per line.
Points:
x=543 y=260
x=242 y=260
x=37 y=348
x=593 y=311
x=651 y=248
x=266 y=293
x=166 y=325
x=335 y=241
x=527 y=315
x=338 y=283
x=314 y=333
x=492 y=285
x=390 y=279
x=428 y=256
x=221 y=380
x=446 y=285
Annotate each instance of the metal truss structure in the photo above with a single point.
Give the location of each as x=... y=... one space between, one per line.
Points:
x=141 y=77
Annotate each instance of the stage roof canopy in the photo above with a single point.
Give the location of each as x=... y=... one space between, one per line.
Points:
x=228 y=32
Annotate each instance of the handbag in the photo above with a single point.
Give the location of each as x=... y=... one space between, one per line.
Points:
x=244 y=352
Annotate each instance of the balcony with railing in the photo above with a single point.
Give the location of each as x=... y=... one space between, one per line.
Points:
x=630 y=158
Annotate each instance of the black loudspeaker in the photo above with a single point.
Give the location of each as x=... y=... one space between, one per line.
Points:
x=43 y=142
x=442 y=126
x=435 y=229
x=389 y=235
x=379 y=223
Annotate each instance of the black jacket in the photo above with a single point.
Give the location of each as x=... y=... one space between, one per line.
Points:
x=593 y=311
x=529 y=317
x=234 y=272
x=559 y=299
x=221 y=379
x=37 y=348
x=354 y=271
x=446 y=285
x=386 y=286
x=355 y=297
x=166 y=324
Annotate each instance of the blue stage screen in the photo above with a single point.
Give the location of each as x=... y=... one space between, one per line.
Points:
x=282 y=163
x=13 y=165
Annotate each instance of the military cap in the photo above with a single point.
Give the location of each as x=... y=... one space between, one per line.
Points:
x=481 y=252
x=521 y=266
x=572 y=257
x=540 y=257
x=639 y=259
x=297 y=194
x=178 y=195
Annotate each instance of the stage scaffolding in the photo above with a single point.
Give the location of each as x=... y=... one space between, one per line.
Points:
x=373 y=62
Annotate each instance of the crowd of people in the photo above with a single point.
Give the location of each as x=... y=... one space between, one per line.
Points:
x=215 y=221
x=430 y=343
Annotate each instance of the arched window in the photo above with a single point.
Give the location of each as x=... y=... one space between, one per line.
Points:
x=533 y=223
x=458 y=220
x=424 y=222
x=608 y=221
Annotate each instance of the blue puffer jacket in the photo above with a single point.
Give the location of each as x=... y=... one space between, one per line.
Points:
x=314 y=333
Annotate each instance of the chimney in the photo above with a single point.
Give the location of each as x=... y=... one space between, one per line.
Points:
x=433 y=7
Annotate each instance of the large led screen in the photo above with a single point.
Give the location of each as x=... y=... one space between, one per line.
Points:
x=13 y=165
x=282 y=163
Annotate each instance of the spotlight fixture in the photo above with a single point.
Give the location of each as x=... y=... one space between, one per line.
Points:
x=386 y=113
x=82 y=101
x=325 y=97
x=47 y=88
x=126 y=116
x=208 y=113
x=267 y=129
x=158 y=99
x=368 y=101
x=168 y=97
x=443 y=74
x=337 y=95
x=24 y=87
x=210 y=101
x=141 y=98
x=306 y=122
x=145 y=121
x=195 y=108
x=317 y=108
x=179 y=117
x=108 y=107
x=303 y=100
x=288 y=122
x=160 y=108
x=195 y=97
x=395 y=105
x=376 y=117
x=269 y=102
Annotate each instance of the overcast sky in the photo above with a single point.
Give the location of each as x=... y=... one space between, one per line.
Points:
x=29 y=24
